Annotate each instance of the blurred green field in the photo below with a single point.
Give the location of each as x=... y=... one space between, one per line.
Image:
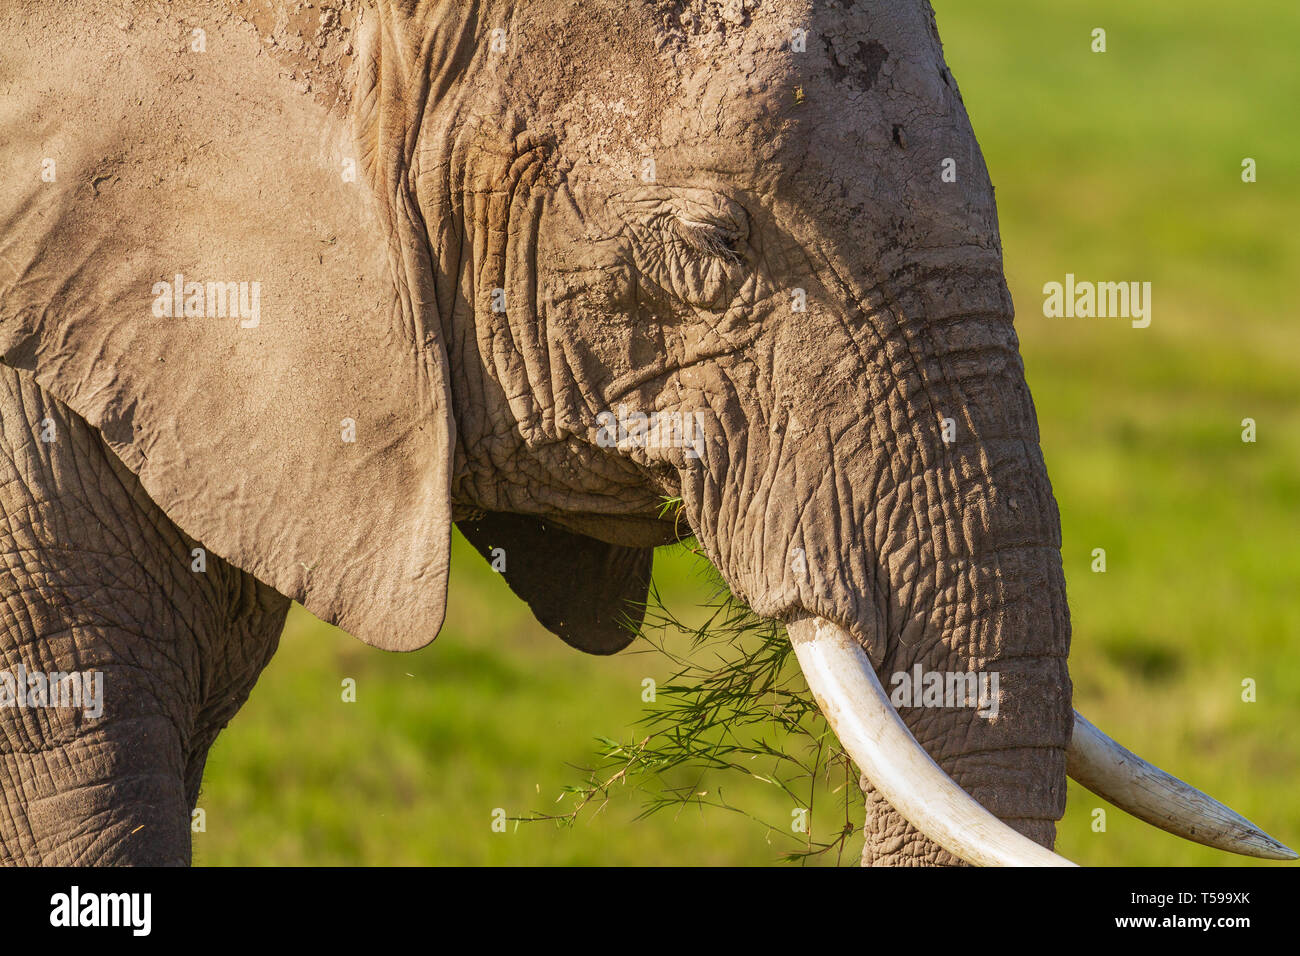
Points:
x=1122 y=165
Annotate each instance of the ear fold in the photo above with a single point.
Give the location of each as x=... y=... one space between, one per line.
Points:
x=590 y=593
x=286 y=402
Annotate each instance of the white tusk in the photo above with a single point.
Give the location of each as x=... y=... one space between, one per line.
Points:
x=1121 y=777
x=842 y=679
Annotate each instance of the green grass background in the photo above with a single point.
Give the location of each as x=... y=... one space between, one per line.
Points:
x=1122 y=165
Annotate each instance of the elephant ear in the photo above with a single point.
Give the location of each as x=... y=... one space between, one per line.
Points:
x=589 y=593
x=290 y=408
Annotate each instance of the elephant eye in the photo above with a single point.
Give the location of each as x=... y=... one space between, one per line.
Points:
x=702 y=262
x=707 y=238
x=692 y=245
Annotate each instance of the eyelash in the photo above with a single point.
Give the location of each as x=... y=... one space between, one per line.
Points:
x=707 y=239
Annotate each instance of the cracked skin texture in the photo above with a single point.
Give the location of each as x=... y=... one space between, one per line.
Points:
x=660 y=206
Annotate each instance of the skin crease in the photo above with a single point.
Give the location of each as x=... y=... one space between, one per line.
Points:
x=518 y=162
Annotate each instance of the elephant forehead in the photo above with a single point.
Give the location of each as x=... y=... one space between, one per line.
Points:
x=733 y=106
x=765 y=90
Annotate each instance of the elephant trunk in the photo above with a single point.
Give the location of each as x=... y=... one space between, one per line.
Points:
x=923 y=524
x=978 y=586
x=976 y=626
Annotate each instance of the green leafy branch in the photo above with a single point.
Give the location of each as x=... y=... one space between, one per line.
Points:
x=736 y=706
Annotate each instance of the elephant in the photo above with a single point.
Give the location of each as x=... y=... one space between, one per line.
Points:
x=302 y=286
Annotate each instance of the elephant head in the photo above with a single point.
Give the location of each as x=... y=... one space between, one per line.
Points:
x=744 y=255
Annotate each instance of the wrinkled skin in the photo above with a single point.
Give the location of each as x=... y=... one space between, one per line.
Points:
x=793 y=269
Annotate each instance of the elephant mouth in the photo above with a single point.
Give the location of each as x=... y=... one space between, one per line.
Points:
x=850 y=695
